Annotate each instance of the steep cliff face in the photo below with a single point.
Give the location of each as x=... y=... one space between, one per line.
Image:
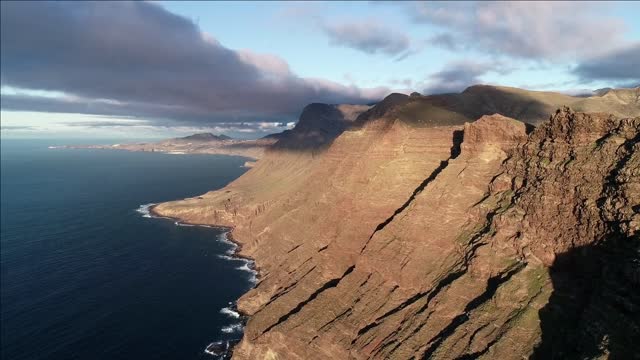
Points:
x=576 y=196
x=438 y=240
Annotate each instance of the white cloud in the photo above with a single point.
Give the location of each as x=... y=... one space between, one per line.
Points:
x=540 y=30
x=369 y=36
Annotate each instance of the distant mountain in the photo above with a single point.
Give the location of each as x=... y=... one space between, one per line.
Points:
x=205 y=137
x=478 y=100
x=600 y=92
x=277 y=135
x=318 y=125
x=620 y=96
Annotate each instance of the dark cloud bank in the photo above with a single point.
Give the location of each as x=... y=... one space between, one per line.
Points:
x=621 y=66
x=135 y=58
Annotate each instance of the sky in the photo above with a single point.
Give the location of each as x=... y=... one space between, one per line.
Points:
x=160 y=68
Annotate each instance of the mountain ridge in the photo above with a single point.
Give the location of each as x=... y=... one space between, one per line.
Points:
x=320 y=124
x=438 y=231
x=205 y=137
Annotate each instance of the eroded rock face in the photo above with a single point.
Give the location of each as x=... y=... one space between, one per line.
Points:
x=404 y=241
x=575 y=205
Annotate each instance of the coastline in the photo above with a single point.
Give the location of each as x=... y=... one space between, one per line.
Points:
x=228 y=235
x=221 y=348
x=248 y=164
x=227 y=229
x=252 y=154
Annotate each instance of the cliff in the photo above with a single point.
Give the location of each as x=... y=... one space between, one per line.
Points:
x=433 y=237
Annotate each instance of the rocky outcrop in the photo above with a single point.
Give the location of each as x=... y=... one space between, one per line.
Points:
x=440 y=239
x=576 y=196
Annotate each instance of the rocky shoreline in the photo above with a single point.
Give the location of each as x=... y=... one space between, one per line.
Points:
x=222 y=349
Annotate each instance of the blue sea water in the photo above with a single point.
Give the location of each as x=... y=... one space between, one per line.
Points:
x=86 y=276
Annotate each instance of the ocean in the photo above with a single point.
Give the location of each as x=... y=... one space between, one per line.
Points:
x=85 y=275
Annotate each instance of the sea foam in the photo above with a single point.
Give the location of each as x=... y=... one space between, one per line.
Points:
x=230 y=312
x=233 y=328
x=230 y=254
x=145 y=210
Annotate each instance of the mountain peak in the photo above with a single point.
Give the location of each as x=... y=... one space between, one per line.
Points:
x=388 y=104
x=319 y=124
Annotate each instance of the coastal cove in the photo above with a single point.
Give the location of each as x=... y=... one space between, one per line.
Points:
x=88 y=273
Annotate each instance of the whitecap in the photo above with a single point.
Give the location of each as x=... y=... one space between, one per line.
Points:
x=232 y=328
x=224 y=238
x=145 y=210
x=248 y=266
x=230 y=253
x=217 y=348
x=233 y=247
x=230 y=312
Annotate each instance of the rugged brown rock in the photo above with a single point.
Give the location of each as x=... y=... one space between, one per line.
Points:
x=441 y=239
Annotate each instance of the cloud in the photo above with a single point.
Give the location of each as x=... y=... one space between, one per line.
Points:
x=446 y=40
x=369 y=36
x=97 y=124
x=253 y=129
x=457 y=76
x=621 y=66
x=532 y=30
x=292 y=10
x=135 y=58
x=17 y=128
x=406 y=82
